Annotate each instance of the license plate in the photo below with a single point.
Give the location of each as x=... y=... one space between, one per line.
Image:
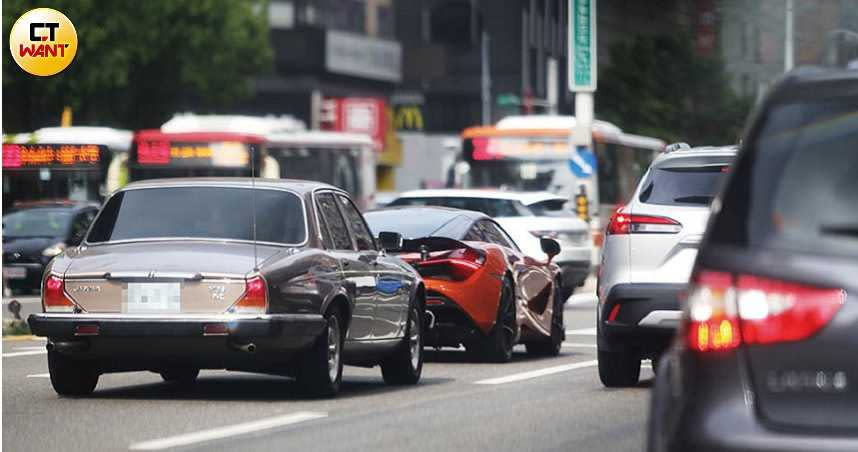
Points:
x=14 y=272
x=153 y=298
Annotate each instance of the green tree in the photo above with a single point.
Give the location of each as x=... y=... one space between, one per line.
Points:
x=658 y=86
x=139 y=61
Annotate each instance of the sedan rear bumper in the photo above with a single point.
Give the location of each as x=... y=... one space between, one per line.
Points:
x=124 y=342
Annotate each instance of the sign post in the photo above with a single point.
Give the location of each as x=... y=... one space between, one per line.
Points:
x=581 y=73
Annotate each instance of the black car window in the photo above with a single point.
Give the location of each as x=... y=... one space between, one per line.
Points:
x=363 y=237
x=411 y=224
x=79 y=226
x=475 y=233
x=201 y=212
x=489 y=206
x=327 y=242
x=335 y=222
x=494 y=234
x=794 y=187
x=37 y=222
x=693 y=185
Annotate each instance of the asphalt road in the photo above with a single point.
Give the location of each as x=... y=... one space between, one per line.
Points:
x=528 y=404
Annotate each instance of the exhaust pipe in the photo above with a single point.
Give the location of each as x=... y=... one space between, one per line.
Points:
x=67 y=346
x=247 y=348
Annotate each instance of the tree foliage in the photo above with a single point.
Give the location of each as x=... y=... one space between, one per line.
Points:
x=139 y=61
x=657 y=86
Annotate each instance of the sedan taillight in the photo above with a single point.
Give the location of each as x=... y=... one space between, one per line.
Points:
x=54 y=298
x=255 y=297
x=724 y=310
x=624 y=223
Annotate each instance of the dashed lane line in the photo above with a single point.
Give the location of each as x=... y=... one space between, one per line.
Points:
x=582 y=332
x=536 y=373
x=27 y=353
x=227 y=431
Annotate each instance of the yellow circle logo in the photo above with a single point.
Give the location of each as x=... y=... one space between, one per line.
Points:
x=43 y=41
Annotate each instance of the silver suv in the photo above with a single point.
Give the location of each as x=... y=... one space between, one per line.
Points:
x=649 y=251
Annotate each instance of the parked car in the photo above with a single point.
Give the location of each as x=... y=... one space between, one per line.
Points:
x=481 y=290
x=35 y=232
x=510 y=210
x=765 y=355
x=649 y=250
x=175 y=276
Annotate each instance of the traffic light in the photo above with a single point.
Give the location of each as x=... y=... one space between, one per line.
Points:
x=582 y=204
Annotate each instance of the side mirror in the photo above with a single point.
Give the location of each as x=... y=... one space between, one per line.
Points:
x=550 y=247
x=390 y=241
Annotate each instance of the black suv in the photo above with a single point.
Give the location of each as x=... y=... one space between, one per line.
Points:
x=35 y=232
x=765 y=358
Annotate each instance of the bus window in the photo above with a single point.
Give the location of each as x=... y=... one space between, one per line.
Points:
x=336 y=166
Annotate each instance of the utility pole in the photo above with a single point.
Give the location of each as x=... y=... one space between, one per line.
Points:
x=788 y=38
x=486 y=79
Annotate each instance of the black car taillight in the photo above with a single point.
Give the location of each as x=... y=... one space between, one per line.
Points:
x=724 y=310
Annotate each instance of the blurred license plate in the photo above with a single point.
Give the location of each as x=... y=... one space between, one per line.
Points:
x=154 y=298
x=14 y=272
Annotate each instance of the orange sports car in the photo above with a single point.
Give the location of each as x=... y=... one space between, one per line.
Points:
x=481 y=291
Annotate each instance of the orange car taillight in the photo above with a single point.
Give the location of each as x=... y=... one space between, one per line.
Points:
x=254 y=299
x=457 y=265
x=726 y=310
x=54 y=298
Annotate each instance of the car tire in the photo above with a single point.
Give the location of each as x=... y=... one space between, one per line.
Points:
x=620 y=368
x=70 y=377
x=320 y=368
x=498 y=345
x=405 y=365
x=180 y=376
x=551 y=346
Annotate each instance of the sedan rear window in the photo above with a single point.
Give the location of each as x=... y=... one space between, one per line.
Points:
x=795 y=187
x=200 y=212
x=689 y=186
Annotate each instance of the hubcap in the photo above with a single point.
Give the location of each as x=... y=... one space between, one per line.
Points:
x=414 y=340
x=333 y=348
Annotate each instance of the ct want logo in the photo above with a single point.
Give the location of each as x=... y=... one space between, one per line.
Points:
x=43 y=41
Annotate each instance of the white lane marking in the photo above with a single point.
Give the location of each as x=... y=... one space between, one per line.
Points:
x=582 y=332
x=39 y=376
x=34 y=352
x=536 y=373
x=578 y=344
x=38 y=347
x=224 y=432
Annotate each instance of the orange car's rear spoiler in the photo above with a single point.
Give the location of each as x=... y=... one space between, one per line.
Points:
x=431 y=244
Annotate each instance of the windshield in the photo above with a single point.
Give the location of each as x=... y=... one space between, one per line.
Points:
x=694 y=186
x=488 y=206
x=411 y=227
x=200 y=212
x=37 y=223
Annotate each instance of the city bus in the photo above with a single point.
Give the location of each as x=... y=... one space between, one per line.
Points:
x=225 y=146
x=63 y=163
x=533 y=153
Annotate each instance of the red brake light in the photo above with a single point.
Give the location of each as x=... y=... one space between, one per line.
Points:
x=457 y=265
x=623 y=223
x=54 y=298
x=255 y=297
x=724 y=311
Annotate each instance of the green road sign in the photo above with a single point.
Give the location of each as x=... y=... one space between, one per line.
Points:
x=582 y=45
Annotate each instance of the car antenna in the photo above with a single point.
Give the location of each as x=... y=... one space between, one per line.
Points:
x=253 y=203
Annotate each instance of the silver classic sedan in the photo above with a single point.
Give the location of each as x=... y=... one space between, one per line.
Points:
x=175 y=276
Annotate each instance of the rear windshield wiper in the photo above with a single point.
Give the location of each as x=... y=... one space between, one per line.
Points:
x=849 y=230
x=694 y=199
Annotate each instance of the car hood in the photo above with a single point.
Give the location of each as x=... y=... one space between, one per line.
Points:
x=165 y=257
x=28 y=246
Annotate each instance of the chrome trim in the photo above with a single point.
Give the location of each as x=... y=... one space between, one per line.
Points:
x=298 y=195
x=190 y=276
x=176 y=317
x=663 y=318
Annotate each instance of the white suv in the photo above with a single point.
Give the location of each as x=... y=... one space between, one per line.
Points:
x=649 y=251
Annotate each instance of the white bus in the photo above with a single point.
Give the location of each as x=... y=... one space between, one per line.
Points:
x=533 y=153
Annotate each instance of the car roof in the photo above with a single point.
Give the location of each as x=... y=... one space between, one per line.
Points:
x=300 y=186
x=436 y=211
x=526 y=198
x=697 y=153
